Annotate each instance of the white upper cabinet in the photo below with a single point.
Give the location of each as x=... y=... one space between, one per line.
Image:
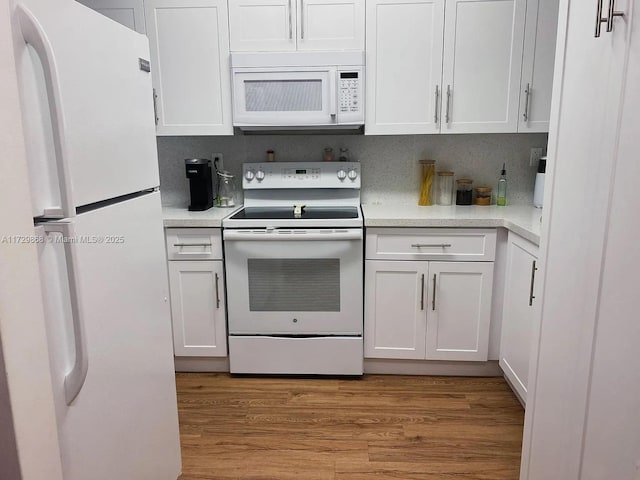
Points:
x=483 y=45
x=189 y=42
x=404 y=66
x=262 y=25
x=129 y=13
x=287 y=25
x=537 y=65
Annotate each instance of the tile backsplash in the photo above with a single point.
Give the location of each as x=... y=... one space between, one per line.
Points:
x=390 y=168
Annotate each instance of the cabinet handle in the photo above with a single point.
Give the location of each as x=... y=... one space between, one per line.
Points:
x=301 y=19
x=191 y=244
x=612 y=13
x=433 y=298
x=527 y=92
x=446 y=117
x=435 y=115
x=155 y=106
x=430 y=245
x=217 y=292
x=290 y=24
x=422 y=293
x=533 y=279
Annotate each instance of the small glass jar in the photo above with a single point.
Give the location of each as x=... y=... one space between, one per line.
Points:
x=344 y=155
x=483 y=195
x=428 y=171
x=445 y=188
x=271 y=156
x=464 y=194
x=327 y=155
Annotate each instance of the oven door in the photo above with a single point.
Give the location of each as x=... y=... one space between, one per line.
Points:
x=294 y=282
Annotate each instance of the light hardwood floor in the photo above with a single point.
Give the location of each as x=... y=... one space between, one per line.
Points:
x=377 y=427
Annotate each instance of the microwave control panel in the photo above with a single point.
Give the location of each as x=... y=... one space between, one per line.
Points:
x=350 y=96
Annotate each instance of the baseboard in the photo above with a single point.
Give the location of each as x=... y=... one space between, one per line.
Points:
x=422 y=367
x=201 y=364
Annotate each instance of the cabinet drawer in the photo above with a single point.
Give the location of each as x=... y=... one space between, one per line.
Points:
x=431 y=244
x=194 y=244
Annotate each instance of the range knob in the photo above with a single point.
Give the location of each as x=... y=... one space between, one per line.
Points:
x=249 y=175
x=353 y=174
x=342 y=174
x=259 y=175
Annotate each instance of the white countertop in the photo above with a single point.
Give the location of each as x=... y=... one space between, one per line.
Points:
x=521 y=219
x=181 y=217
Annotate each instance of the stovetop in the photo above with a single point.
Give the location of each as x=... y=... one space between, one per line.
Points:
x=289 y=213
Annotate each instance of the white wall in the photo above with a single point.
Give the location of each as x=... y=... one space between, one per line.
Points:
x=31 y=440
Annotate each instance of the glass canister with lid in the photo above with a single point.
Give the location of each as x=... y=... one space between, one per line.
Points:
x=483 y=195
x=464 y=194
x=428 y=171
x=445 y=188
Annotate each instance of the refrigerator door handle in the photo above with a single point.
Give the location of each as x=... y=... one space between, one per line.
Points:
x=34 y=35
x=74 y=379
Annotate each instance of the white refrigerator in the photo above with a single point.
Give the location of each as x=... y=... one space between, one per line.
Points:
x=88 y=117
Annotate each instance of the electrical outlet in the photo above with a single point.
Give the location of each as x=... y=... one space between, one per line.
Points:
x=536 y=153
x=220 y=163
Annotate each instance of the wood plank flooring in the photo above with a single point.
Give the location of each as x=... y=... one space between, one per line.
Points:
x=377 y=427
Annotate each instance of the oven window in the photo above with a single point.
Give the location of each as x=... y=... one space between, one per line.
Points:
x=283 y=95
x=294 y=284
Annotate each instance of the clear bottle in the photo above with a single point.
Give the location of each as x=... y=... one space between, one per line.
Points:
x=327 y=154
x=502 y=187
x=445 y=188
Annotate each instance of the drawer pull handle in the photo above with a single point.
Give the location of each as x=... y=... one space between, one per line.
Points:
x=430 y=245
x=191 y=244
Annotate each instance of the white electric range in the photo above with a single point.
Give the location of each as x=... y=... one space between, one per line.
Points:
x=294 y=269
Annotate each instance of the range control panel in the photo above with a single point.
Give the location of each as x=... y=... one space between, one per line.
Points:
x=272 y=175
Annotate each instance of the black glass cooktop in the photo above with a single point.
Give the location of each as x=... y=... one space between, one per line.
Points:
x=286 y=213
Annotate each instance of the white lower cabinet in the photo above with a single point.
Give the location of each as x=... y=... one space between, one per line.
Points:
x=427 y=310
x=198 y=309
x=518 y=313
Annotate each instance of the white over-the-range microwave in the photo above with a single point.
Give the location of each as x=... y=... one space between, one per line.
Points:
x=298 y=90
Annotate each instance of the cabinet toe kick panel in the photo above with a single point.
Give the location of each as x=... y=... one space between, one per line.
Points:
x=296 y=356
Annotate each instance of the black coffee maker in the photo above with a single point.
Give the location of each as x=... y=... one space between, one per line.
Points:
x=200 y=183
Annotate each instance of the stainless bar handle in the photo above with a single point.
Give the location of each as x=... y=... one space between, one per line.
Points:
x=422 y=293
x=435 y=115
x=612 y=15
x=217 y=292
x=599 y=18
x=527 y=92
x=191 y=244
x=533 y=279
x=155 y=106
x=290 y=24
x=446 y=117
x=433 y=297
x=302 y=19
x=433 y=245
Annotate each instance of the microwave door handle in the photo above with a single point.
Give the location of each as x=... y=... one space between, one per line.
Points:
x=34 y=35
x=333 y=97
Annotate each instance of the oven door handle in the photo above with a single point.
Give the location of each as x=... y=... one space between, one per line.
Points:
x=294 y=235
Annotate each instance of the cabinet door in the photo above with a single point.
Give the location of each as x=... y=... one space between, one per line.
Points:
x=404 y=66
x=189 y=42
x=198 y=308
x=129 y=13
x=459 y=310
x=330 y=25
x=262 y=25
x=395 y=309
x=482 y=63
x=537 y=65
x=517 y=318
